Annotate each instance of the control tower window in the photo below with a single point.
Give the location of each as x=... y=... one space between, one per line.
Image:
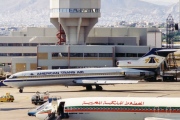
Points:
x=76 y=10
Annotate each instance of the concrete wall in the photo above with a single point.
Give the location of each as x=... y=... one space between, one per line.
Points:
x=139 y=33
x=28 y=39
x=23 y=63
x=35 y=31
x=22 y=49
x=154 y=39
x=131 y=37
x=114 y=40
x=131 y=49
x=77 y=61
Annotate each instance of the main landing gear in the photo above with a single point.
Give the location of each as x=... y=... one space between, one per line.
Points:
x=88 y=87
x=98 y=88
x=20 y=90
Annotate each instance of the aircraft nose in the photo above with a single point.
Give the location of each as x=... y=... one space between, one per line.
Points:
x=2 y=83
x=5 y=82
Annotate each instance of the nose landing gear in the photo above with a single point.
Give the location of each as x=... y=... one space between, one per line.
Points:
x=21 y=90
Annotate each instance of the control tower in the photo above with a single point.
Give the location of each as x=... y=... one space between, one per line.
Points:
x=77 y=18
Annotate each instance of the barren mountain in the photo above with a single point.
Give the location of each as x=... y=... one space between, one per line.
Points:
x=37 y=11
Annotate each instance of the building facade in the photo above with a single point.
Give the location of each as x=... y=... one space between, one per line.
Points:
x=84 y=46
x=103 y=48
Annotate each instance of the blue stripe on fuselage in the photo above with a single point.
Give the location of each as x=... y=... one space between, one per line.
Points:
x=48 y=79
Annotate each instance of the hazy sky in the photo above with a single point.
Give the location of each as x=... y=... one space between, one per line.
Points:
x=166 y=2
x=170 y=1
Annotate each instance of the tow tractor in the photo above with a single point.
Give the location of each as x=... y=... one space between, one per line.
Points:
x=7 y=98
x=40 y=97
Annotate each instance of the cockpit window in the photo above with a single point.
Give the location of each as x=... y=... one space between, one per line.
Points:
x=12 y=76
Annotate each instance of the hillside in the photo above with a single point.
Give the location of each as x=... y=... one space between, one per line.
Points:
x=37 y=11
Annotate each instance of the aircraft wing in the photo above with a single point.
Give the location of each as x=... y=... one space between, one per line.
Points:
x=155 y=118
x=104 y=82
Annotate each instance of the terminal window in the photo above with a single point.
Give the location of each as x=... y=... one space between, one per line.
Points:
x=76 y=54
x=3 y=44
x=33 y=44
x=141 y=54
x=3 y=54
x=59 y=55
x=15 y=54
x=105 y=54
x=90 y=54
x=59 y=67
x=30 y=54
x=25 y=44
x=14 y=44
x=131 y=54
x=120 y=55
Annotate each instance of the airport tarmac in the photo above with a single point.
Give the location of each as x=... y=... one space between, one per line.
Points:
x=19 y=108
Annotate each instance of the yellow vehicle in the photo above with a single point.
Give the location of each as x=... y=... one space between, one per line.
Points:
x=7 y=98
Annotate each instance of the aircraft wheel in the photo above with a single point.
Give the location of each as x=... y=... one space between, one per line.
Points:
x=89 y=88
x=99 y=88
x=20 y=90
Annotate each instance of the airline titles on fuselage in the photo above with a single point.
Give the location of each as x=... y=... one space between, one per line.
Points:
x=60 y=72
x=113 y=103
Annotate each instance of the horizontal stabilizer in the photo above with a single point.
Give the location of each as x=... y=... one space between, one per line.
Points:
x=155 y=118
x=105 y=82
x=163 y=52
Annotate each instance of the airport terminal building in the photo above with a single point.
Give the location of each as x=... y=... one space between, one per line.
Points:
x=83 y=44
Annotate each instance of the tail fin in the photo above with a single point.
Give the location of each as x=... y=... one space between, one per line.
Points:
x=150 y=61
x=155 y=57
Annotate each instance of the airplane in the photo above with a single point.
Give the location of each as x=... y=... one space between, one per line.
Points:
x=117 y=108
x=86 y=77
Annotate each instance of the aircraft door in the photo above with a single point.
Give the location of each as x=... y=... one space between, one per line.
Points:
x=24 y=80
x=62 y=110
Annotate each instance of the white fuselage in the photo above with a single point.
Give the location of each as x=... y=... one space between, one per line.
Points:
x=68 y=77
x=121 y=108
